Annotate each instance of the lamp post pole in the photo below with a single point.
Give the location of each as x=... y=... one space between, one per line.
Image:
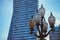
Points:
x=41 y=24
x=40 y=32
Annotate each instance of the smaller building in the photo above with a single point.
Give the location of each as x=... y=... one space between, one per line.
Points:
x=56 y=34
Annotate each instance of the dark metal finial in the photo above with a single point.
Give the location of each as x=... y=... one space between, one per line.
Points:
x=41 y=5
x=51 y=14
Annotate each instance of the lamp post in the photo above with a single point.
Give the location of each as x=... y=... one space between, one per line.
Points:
x=39 y=21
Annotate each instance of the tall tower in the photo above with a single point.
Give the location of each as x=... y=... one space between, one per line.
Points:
x=22 y=12
x=56 y=34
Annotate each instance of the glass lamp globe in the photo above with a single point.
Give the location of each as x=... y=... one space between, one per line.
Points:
x=31 y=24
x=42 y=11
x=51 y=20
x=37 y=18
x=45 y=26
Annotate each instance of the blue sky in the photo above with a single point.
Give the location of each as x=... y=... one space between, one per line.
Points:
x=6 y=10
x=6 y=7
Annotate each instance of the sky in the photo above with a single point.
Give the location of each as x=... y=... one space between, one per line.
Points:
x=6 y=11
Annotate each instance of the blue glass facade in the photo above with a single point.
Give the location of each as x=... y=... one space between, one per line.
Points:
x=22 y=12
x=56 y=34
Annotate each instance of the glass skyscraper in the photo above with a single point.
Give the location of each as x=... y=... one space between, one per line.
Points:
x=55 y=35
x=22 y=12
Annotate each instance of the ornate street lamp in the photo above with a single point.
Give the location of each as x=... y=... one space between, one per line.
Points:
x=39 y=21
